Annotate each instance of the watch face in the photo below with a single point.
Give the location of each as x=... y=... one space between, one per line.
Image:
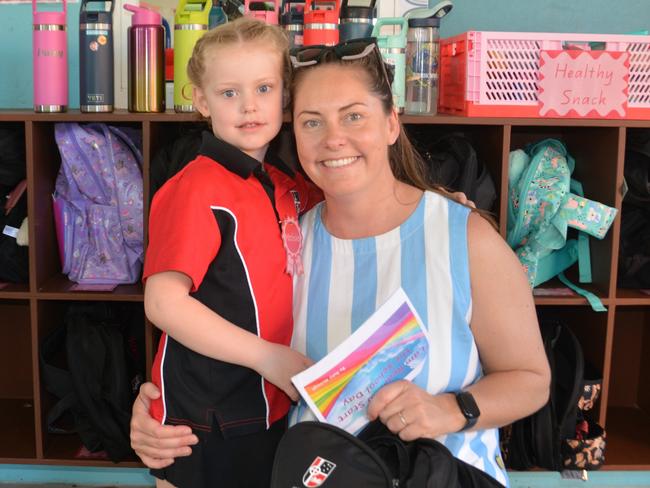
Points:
x=468 y=405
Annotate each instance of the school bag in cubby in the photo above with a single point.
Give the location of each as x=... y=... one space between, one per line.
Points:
x=562 y=434
x=543 y=203
x=98 y=207
x=634 y=252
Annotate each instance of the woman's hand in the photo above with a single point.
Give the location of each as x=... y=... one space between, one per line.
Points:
x=156 y=444
x=279 y=363
x=410 y=412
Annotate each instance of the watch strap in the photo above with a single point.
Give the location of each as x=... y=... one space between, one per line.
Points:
x=468 y=408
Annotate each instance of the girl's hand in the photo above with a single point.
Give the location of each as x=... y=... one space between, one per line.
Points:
x=157 y=445
x=279 y=363
x=460 y=197
x=410 y=412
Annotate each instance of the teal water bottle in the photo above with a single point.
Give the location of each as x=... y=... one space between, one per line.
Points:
x=356 y=20
x=217 y=15
x=393 y=50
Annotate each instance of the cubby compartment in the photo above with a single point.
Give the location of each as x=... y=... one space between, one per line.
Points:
x=628 y=402
x=590 y=328
x=633 y=275
x=46 y=161
x=59 y=441
x=17 y=433
x=596 y=152
x=487 y=142
x=14 y=262
x=161 y=137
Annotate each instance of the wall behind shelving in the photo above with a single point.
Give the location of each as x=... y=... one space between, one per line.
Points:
x=602 y=16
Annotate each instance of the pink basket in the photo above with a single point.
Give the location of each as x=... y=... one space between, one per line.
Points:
x=495 y=74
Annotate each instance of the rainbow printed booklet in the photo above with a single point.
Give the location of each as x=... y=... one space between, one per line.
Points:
x=391 y=345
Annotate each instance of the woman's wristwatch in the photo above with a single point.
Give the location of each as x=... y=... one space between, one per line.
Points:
x=468 y=408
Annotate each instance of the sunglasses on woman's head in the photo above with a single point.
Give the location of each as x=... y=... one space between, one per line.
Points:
x=303 y=57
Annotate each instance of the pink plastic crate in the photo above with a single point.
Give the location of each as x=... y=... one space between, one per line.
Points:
x=495 y=74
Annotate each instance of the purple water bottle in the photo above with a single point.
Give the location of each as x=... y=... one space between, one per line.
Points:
x=146 y=61
x=50 y=55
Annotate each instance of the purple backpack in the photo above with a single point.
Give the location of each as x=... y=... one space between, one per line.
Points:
x=98 y=204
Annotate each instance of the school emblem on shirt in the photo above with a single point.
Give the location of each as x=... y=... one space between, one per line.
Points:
x=318 y=472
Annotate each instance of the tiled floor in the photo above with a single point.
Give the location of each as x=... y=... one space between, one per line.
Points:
x=22 y=476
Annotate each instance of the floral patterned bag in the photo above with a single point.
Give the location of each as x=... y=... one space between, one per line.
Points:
x=544 y=202
x=97 y=204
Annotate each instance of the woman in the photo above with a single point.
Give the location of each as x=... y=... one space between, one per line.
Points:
x=377 y=230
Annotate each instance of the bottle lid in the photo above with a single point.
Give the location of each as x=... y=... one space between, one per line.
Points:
x=293 y=16
x=49 y=18
x=143 y=16
x=193 y=12
x=357 y=12
x=90 y=17
x=426 y=22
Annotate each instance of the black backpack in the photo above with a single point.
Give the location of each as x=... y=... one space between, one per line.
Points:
x=452 y=162
x=312 y=454
x=105 y=366
x=634 y=254
x=14 y=258
x=12 y=156
x=546 y=439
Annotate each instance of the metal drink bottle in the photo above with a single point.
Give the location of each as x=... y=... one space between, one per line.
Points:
x=146 y=61
x=321 y=22
x=393 y=50
x=96 y=57
x=50 y=57
x=190 y=23
x=292 y=18
x=356 y=21
x=268 y=16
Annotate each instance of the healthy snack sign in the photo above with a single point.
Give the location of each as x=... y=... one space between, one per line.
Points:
x=577 y=83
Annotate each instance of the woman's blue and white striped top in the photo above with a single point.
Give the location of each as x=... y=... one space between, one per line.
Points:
x=344 y=281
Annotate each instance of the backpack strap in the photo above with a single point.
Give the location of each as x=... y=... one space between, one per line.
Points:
x=594 y=301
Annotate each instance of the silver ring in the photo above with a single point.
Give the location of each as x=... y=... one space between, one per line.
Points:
x=401 y=417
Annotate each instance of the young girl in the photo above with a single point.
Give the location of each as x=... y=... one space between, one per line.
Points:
x=219 y=263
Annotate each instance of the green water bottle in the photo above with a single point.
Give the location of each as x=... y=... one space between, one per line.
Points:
x=393 y=50
x=190 y=23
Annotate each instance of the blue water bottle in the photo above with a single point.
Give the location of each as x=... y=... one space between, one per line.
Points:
x=96 y=92
x=356 y=21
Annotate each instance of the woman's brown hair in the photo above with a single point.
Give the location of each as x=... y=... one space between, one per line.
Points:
x=405 y=162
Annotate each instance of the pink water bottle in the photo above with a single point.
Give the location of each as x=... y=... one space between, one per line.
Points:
x=146 y=46
x=50 y=54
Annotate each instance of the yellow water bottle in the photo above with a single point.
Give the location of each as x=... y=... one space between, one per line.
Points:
x=190 y=23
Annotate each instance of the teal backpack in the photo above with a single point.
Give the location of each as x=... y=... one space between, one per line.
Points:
x=543 y=202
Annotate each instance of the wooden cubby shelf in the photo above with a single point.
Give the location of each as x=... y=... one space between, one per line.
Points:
x=616 y=342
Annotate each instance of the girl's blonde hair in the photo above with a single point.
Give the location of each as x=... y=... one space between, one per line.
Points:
x=241 y=30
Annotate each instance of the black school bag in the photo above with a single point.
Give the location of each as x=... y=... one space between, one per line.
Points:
x=14 y=258
x=547 y=438
x=313 y=454
x=452 y=162
x=105 y=365
x=634 y=254
x=12 y=156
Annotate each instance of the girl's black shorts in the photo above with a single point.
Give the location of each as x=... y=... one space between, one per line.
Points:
x=239 y=462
